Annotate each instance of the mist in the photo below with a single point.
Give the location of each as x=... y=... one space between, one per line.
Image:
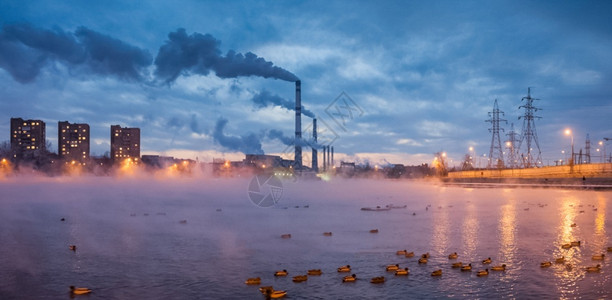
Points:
x=184 y=236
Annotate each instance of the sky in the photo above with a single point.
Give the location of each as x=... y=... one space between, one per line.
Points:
x=389 y=81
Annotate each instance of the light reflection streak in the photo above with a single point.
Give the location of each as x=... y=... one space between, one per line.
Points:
x=441 y=229
x=507 y=243
x=567 y=280
x=600 y=221
x=507 y=229
x=600 y=240
x=470 y=230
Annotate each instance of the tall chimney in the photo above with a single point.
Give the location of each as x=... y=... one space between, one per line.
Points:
x=328 y=158
x=332 y=157
x=298 y=125
x=315 y=160
x=324 y=160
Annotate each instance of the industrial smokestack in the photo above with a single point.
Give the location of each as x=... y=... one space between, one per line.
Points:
x=328 y=158
x=298 y=125
x=315 y=161
x=332 y=156
x=324 y=160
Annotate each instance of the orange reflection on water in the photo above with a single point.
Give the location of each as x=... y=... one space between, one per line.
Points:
x=470 y=230
x=441 y=229
x=507 y=229
x=568 y=207
x=600 y=239
x=567 y=278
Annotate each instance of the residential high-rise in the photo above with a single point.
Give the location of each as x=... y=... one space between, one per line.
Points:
x=73 y=141
x=125 y=143
x=27 y=138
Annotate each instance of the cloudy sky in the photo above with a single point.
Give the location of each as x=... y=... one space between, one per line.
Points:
x=389 y=81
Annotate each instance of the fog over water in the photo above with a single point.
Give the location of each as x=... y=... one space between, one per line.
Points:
x=131 y=242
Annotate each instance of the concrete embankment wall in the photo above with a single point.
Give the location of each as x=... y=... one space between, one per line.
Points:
x=575 y=171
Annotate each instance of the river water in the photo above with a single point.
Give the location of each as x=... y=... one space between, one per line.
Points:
x=201 y=238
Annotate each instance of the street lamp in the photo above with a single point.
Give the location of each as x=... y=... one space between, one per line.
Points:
x=569 y=133
x=472 y=154
x=604 y=148
x=564 y=155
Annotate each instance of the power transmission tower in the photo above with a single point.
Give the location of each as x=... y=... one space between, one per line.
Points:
x=511 y=145
x=496 y=154
x=587 y=148
x=529 y=134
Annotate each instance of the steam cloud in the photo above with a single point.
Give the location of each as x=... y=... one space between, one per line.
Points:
x=248 y=144
x=290 y=141
x=196 y=53
x=265 y=99
x=25 y=50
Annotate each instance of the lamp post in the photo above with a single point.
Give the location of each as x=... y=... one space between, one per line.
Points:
x=604 y=148
x=564 y=155
x=471 y=149
x=569 y=132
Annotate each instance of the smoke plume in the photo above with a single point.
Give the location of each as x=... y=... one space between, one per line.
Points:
x=25 y=50
x=247 y=144
x=200 y=54
x=265 y=99
x=274 y=134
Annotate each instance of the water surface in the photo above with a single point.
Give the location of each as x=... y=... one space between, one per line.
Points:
x=131 y=242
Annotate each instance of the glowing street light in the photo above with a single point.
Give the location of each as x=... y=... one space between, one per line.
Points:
x=568 y=132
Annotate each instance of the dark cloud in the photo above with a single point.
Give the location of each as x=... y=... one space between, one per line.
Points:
x=265 y=99
x=199 y=54
x=25 y=50
x=110 y=56
x=247 y=144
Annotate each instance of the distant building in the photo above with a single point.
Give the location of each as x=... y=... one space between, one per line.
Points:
x=27 y=138
x=73 y=141
x=262 y=161
x=158 y=161
x=125 y=143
